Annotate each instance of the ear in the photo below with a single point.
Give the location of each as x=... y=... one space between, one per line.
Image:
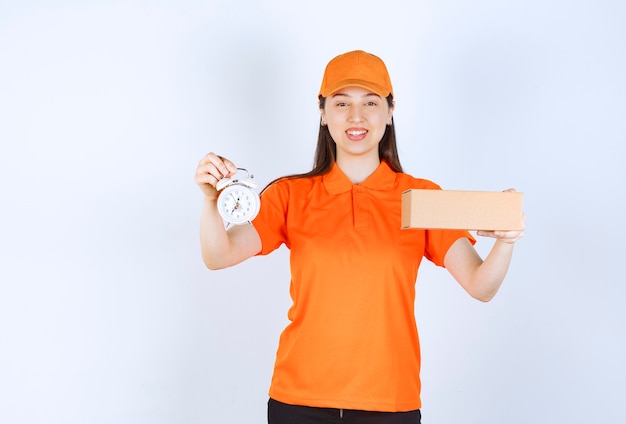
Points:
x=390 y=115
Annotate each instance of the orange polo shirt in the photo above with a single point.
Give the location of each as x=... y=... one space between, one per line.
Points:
x=352 y=340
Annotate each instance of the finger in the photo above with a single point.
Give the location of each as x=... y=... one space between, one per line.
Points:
x=211 y=174
x=224 y=166
x=485 y=233
x=230 y=166
x=209 y=158
x=509 y=234
x=206 y=179
x=506 y=236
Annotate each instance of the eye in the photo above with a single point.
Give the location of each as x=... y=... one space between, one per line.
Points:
x=370 y=103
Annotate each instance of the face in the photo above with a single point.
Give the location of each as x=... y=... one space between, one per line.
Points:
x=356 y=119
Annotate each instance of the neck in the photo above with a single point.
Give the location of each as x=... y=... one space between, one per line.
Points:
x=358 y=169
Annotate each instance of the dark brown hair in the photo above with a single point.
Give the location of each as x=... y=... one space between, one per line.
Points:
x=326 y=150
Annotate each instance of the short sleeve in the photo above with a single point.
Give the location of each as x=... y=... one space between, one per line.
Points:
x=270 y=223
x=439 y=241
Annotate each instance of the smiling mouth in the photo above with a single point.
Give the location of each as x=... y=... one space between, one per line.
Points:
x=356 y=133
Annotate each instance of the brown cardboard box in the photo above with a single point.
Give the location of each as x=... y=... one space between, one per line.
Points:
x=465 y=210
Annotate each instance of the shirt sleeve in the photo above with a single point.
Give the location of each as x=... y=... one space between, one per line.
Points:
x=270 y=222
x=439 y=241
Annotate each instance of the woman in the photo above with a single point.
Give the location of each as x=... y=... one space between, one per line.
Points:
x=351 y=350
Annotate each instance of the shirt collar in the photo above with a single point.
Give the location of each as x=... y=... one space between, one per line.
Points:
x=337 y=182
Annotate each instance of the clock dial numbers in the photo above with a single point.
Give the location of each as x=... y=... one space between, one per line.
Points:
x=238 y=204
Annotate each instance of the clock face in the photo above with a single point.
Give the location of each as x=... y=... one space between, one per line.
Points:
x=238 y=204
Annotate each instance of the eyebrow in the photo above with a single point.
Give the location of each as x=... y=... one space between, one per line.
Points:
x=346 y=95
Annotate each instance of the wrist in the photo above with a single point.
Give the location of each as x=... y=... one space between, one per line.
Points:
x=210 y=198
x=506 y=242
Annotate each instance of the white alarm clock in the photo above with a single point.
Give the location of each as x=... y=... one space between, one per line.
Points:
x=238 y=202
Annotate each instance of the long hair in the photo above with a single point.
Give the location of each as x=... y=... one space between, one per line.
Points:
x=326 y=150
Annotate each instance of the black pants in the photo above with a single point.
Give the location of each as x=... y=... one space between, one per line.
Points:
x=282 y=413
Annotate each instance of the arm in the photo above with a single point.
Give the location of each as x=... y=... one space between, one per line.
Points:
x=221 y=248
x=482 y=279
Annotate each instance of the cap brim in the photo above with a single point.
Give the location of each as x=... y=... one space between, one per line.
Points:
x=374 y=88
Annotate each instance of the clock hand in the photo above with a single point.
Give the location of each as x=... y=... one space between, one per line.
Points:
x=236 y=206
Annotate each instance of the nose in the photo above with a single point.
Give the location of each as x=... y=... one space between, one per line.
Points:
x=356 y=113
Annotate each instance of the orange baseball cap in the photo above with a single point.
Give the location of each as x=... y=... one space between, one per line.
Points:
x=356 y=68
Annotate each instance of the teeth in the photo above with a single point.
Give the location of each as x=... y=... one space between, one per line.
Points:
x=357 y=132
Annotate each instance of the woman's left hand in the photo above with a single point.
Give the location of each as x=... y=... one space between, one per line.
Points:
x=509 y=237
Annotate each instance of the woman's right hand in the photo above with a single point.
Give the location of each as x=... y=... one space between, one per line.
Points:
x=221 y=248
x=210 y=170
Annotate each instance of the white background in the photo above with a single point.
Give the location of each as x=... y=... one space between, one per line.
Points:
x=107 y=314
